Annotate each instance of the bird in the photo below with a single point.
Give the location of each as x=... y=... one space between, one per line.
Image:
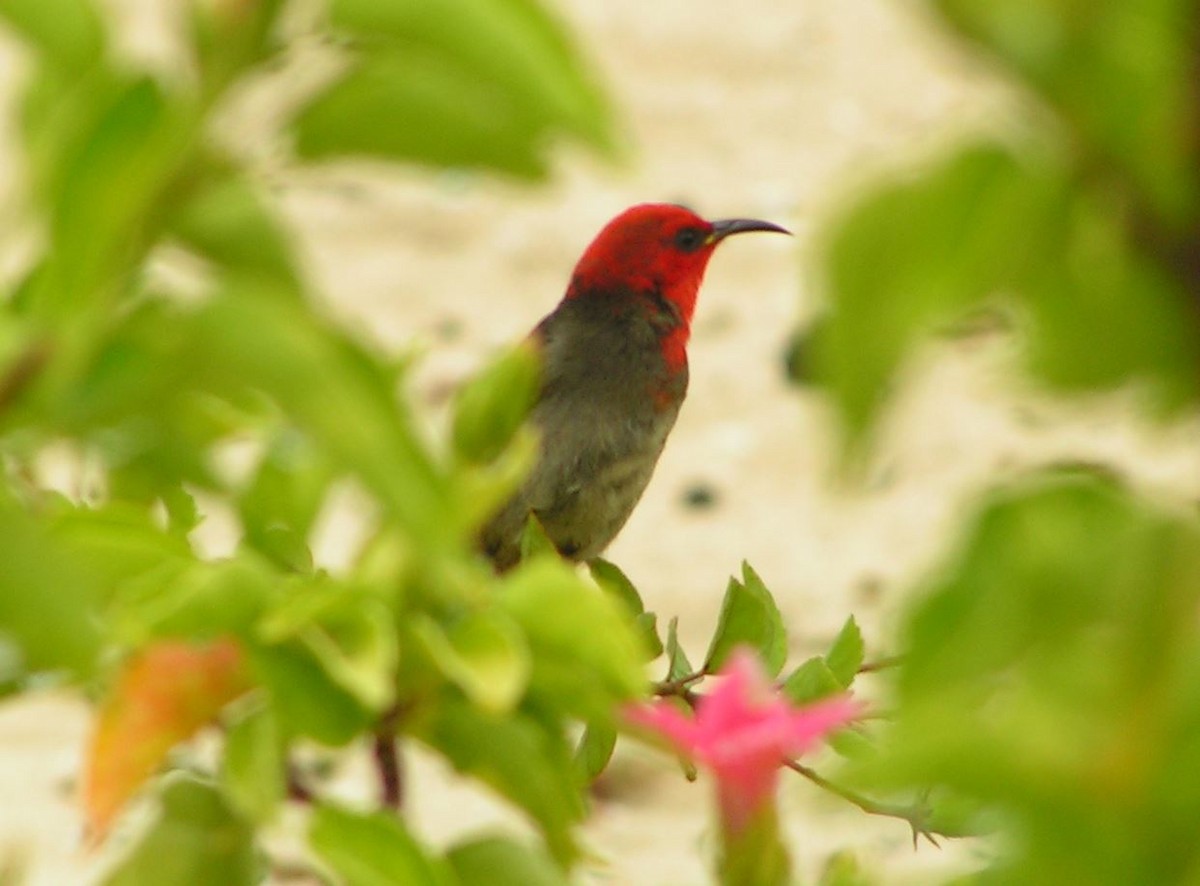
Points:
x=614 y=374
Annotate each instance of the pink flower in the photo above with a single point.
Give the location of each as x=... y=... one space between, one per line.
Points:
x=743 y=731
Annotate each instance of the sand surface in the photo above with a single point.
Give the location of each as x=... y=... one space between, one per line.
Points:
x=764 y=109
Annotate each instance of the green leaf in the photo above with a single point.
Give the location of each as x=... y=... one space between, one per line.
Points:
x=534 y=540
x=845 y=657
x=678 y=666
x=1122 y=77
x=595 y=749
x=610 y=577
x=453 y=83
x=811 y=681
x=358 y=649
x=484 y=654
x=516 y=47
x=843 y=869
x=613 y=581
x=1044 y=659
x=100 y=196
x=68 y=31
x=646 y=625
x=586 y=654
x=499 y=861
x=194 y=599
x=415 y=107
x=749 y=617
x=522 y=758
x=492 y=406
x=305 y=698
x=372 y=849
x=335 y=390
x=47 y=596
x=118 y=541
x=920 y=253
x=227 y=223
x=281 y=504
x=253 y=772
x=1094 y=283
x=197 y=839
x=914 y=254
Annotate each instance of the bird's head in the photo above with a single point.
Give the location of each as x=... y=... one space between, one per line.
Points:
x=656 y=247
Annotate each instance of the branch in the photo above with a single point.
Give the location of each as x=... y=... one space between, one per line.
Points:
x=22 y=371
x=916 y=815
x=386 y=752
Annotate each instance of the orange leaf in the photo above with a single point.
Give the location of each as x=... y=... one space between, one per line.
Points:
x=163 y=695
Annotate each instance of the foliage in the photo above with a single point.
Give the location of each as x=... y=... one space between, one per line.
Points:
x=1047 y=693
x=1089 y=230
x=143 y=389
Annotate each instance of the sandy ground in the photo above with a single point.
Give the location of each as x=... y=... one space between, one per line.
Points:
x=761 y=109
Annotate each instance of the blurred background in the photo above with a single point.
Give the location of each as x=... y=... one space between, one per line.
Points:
x=762 y=109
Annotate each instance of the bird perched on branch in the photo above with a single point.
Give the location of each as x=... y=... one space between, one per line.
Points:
x=614 y=374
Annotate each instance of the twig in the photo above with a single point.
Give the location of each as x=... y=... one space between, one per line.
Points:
x=387 y=761
x=22 y=371
x=882 y=664
x=678 y=686
x=915 y=815
x=296 y=789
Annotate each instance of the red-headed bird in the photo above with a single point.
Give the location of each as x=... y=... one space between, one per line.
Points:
x=614 y=375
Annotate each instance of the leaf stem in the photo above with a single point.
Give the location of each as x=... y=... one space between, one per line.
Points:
x=916 y=815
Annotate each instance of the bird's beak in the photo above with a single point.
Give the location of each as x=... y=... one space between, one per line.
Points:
x=722 y=228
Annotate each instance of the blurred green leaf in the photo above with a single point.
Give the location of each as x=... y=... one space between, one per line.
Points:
x=358 y=649
x=336 y=391
x=117 y=541
x=523 y=759
x=226 y=222
x=106 y=187
x=586 y=654
x=47 y=596
x=843 y=869
x=372 y=849
x=678 y=666
x=845 y=656
x=595 y=749
x=281 y=504
x=499 y=861
x=196 y=840
x=534 y=540
x=646 y=625
x=305 y=698
x=1094 y=285
x=918 y=253
x=915 y=253
x=490 y=407
x=196 y=599
x=454 y=83
x=1044 y=679
x=1123 y=75
x=749 y=617
x=253 y=769
x=484 y=654
x=811 y=681
x=67 y=31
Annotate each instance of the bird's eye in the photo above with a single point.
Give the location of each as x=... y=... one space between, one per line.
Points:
x=689 y=239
